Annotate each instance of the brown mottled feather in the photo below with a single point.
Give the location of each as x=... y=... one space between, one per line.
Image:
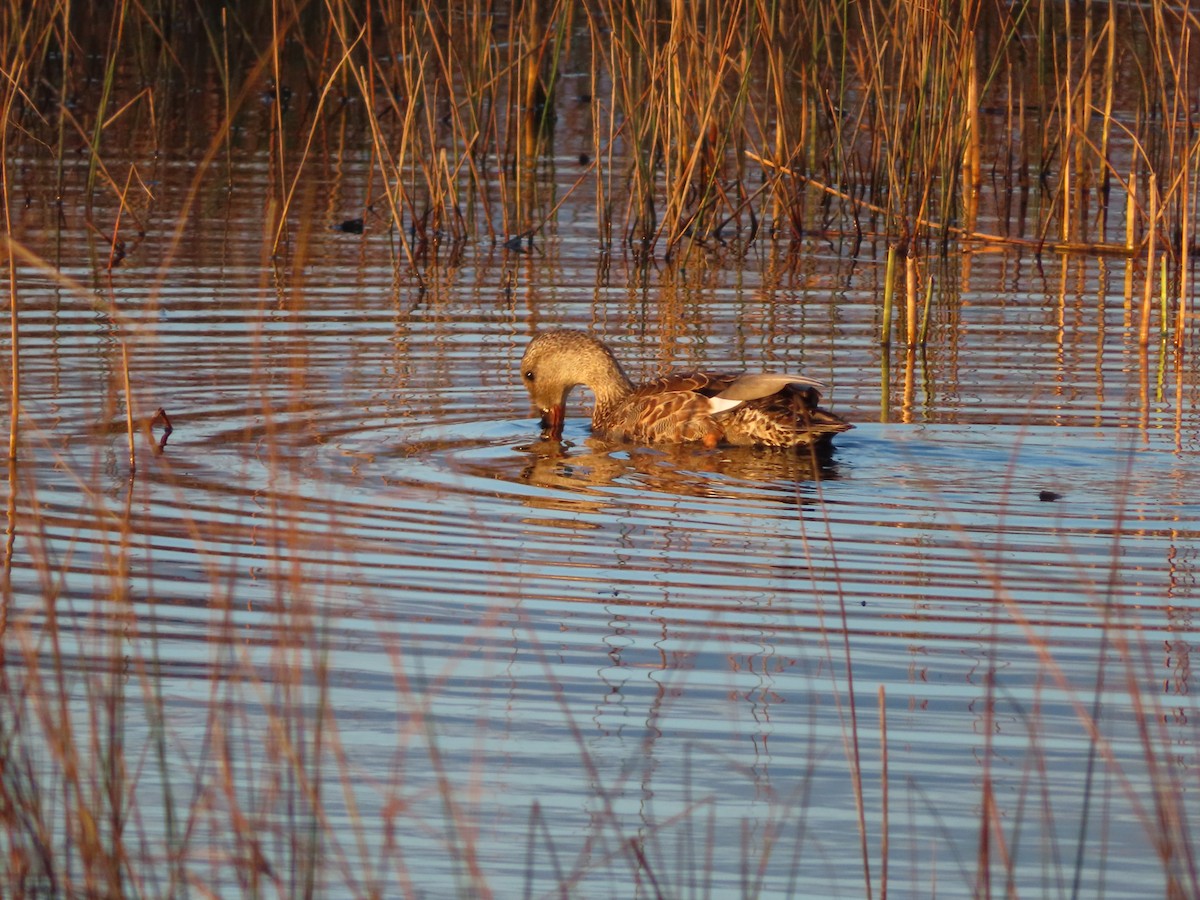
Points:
x=657 y=416
x=770 y=410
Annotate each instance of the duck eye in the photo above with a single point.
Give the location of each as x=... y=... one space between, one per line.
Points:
x=529 y=375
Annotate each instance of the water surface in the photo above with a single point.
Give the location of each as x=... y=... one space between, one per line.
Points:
x=357 y=604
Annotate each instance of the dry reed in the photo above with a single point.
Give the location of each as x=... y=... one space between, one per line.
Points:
x=716 y=124
x=712 y=125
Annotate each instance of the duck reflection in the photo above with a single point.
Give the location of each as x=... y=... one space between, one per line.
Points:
x=741 y=473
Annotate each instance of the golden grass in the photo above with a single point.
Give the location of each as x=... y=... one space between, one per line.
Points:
x=712 y=126
x=713 y=123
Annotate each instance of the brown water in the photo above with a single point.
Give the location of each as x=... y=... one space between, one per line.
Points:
x=378 y=613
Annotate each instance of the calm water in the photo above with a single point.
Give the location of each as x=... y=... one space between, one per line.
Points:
x=378 y=613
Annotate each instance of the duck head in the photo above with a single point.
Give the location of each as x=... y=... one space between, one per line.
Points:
x=556 y=362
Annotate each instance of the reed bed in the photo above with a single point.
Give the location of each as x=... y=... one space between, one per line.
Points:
x=709 y=128
x=710 y=125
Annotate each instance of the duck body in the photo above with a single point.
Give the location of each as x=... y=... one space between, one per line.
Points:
x=763 y=410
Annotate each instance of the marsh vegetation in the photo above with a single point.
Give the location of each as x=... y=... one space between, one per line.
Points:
x=295 y=603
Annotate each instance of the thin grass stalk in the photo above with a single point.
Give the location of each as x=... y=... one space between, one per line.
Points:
x=889 y=281
x=678 y=95
x=116 y=33
x=371 y=79
x=1088 y=717
x=850 y=741
x=910 y=296
x=65 y=47
x=1164 y=301
x=870 y=62
x=775 y=75
x=1169 y=820
x=635 y=58
x=533 y=97
x=1148 y=292
x=525 y=34
x=14 y=318
x=289 y=190
x=1066 y=91
x=1185 y=221
x=391 y=167
x=225 y=93
x=427 y=221
x=539 y=44
x=123 y=334
x=7 y=815
x=1110 y=77
x=151 y=672
x=1044 y=58
x=1081 y=124
x=1187 y=153
x=278 y=35
x=110 y=711
x=53 y=712
x=923 y=335
x=839 y=167
x=1131 y=209
x=995 y=823
x=563 y=17
x=883 y=795
x=602 y=150
x=219 y=48
x=126 y=384
x=972 y=169
x=699 y=165
x=444 y=172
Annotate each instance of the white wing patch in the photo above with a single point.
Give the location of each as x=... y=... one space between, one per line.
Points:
x=718 y=405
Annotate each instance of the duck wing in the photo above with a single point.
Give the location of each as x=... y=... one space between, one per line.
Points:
x=731 y=388
x=709 y=384
x=764 y=409
x=755 y=387
x=675 y=408
x=670 y=416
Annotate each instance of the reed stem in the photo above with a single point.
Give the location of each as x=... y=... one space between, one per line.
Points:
x=889 y=280
x=14 y=317
x=883 y=795
x=1148 y=292
x=910 y=297
x=923 y=336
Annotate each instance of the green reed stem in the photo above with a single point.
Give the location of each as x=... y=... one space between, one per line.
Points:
x=885 y=335
x=925 y=313
x=114 y=55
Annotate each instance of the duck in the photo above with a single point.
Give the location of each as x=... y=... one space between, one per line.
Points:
x=708 y=408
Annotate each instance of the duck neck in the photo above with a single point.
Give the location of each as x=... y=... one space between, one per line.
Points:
x=611 y=385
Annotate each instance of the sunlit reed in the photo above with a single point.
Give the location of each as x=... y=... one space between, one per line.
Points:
x=719 y=125
x=714 y=126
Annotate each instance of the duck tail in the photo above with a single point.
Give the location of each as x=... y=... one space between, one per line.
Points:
x=823 y=421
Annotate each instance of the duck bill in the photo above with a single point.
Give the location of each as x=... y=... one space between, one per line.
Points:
x=552 y=421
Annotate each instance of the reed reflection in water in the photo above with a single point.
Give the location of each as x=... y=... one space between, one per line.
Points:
x=354 y=630
x=431 y=640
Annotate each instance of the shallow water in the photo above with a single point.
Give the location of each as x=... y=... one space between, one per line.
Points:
x=372 y=605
